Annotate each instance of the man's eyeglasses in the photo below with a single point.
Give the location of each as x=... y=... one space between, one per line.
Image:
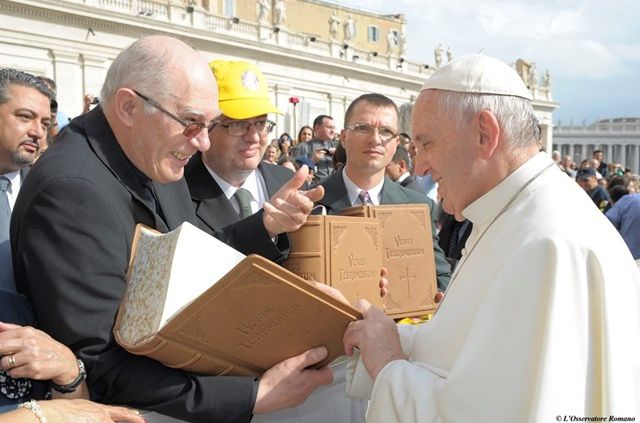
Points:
x=191 y=129
x=241 y=127
x=364 y=129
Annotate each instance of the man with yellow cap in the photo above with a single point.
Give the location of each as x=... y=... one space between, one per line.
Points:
x=230 y=182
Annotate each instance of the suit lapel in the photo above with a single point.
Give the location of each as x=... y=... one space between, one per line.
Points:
x=271 y=180
x=336 y=197
x=391 y=193
x=212 y=207
x=174 y=202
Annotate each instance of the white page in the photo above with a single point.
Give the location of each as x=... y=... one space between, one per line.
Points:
x=200 y=261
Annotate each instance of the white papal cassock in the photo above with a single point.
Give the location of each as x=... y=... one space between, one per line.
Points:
x=542 y=321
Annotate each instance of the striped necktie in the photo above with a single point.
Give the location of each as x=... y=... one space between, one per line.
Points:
x=363 y=198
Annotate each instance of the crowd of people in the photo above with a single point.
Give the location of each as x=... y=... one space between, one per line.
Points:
x=539 y=294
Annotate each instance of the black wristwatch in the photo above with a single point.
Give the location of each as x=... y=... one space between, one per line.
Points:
x=67 y=389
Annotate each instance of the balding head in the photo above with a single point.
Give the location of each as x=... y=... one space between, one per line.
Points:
x=152 y=64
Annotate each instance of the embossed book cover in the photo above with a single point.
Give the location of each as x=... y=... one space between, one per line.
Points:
x=343 y=252
x=407 y=255
x=194 y=303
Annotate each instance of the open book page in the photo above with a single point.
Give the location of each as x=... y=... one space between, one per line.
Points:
x=199 y=261
x=155 y=292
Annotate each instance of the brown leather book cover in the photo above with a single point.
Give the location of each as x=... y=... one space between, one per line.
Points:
x=407 y=255
x=343 y=252
x=256 y=315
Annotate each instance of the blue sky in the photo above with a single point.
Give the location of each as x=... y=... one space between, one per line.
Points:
x=591 y=47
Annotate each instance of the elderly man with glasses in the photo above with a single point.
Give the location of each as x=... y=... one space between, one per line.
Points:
x=118 y=165
x=230 y=182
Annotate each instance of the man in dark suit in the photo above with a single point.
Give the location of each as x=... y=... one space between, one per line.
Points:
x=230 y=182
x=370 y=139
x=398 y=170
x=25 y=116
x=116 y=166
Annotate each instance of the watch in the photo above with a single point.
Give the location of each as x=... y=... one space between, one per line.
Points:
x=67 y=389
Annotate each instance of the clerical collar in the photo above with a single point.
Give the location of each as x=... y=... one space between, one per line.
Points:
x=485 y=208
x=403 y=177
x=353 y=190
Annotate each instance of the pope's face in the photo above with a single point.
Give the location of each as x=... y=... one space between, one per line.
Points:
x=441 y=151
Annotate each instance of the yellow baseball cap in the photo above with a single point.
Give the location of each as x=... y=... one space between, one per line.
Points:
x=242 y=90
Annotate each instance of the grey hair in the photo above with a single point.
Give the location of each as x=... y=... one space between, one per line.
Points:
x=514 y=114
x=9 y=76
x=140 y=66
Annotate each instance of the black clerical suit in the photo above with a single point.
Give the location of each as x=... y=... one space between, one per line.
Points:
x=411 y=183
x=71 y=236
x=212 y=207
x=336 y=198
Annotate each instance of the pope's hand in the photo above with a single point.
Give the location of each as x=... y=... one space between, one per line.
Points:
x=376 y=336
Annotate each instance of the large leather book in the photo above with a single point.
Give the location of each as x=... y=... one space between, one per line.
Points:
x=343 y=252
x=407 y=254
x=194 y=303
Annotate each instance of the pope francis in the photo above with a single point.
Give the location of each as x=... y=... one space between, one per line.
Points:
x=541 y=320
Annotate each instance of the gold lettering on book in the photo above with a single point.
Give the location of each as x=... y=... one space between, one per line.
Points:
x=392 y=253
x=261 y=325
x=295 y=268
x=402 y=242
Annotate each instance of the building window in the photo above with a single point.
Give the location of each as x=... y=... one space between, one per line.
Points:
x=230 y=8
x=373 y=34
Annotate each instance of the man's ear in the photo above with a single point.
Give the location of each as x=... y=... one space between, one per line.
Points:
x=404 y=166
x=489 y=131
x=125 y=103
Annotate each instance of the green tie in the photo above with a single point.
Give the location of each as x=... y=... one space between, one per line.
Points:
x=243 y=197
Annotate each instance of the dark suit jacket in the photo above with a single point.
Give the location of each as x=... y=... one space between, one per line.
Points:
x=411 y=183
x=71 y=235
x=336 y=198
x=214 y=210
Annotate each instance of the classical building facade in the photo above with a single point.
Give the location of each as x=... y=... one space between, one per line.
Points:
x=619 y=140
x=313 y=52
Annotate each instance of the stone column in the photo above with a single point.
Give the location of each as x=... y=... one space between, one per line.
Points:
x=284 y=123
x=94 y=70
x=68 y=77
x=634 y=159
x=571 y=152
x=546 y=133
x=606 y=150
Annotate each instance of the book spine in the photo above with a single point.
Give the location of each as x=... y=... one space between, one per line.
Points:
x=307 y=256
x=178 y=355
